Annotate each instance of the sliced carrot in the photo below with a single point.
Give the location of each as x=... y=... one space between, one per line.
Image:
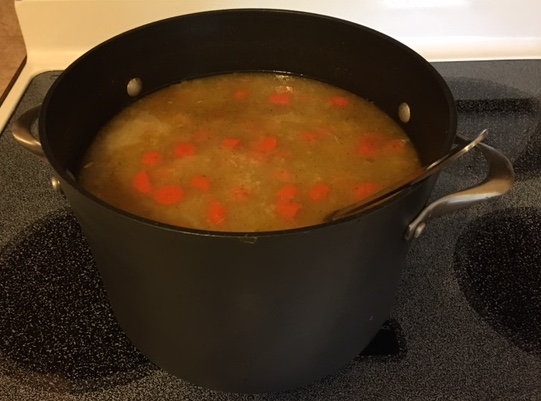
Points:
x=287 y=192
x=185 y=149
x=287 y=209
x=310 y=137
x=366 y=149
x=141 y=182
x=266 y=144
x=151 y=158
x=201 y=183
x=169 y=195
x=339 y=101
x=216 y=213
x=241 y=94
x=230 y=143
x=280 y=98
x=370 y=144
x=365 y=189
x=319 y=191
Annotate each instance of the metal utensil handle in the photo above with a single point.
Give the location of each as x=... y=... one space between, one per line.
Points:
x=499 y=180
x=21 y=131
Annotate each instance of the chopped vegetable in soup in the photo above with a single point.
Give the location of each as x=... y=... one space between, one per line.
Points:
x=246 y=152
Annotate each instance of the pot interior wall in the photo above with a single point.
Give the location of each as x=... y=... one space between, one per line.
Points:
x=365 y=62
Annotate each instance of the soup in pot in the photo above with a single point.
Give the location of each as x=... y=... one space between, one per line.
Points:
x=246 y=152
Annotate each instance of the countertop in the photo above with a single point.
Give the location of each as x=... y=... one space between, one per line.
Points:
x=12 y=50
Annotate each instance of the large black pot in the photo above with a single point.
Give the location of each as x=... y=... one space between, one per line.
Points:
x=247 y=312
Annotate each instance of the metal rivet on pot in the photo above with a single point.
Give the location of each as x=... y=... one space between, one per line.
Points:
x=55 y=183
x=134 y=87
x=404 y=112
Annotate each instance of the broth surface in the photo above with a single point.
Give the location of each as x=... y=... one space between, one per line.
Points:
x=246 y=152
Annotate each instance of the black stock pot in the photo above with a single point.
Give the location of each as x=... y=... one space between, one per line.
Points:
x=251 y=312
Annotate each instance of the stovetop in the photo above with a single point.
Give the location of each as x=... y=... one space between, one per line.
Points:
x=466 y=324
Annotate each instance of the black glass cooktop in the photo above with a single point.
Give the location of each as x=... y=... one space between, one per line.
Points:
x=466 y=324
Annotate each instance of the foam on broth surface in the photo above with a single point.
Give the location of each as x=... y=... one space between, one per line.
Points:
x=245 y=152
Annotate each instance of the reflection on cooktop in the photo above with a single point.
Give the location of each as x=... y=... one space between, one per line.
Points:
x=55 y=318
x=501 y=276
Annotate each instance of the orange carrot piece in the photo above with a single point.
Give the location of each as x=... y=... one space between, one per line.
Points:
x=319 y=191
x=201 y=183
x=371 y=144
x=151 y=158
x=216 y=213
x=287 y=192
x=230 y=143
x=141 y=182
x=309 y=137
x=366 y=149
x=339 y=101
x=266 y=144
x=365 y=189
x=287 y=209
x=280 y=98
x=241 y=94
x=169 y=195
x=185 y=149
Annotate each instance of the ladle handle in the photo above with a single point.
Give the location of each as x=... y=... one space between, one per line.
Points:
x=499 y=180
x=21 y=131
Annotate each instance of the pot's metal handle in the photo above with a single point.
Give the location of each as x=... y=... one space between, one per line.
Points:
x=21 y=131
x=500 y=178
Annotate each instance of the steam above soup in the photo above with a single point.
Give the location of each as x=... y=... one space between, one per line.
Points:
x=246 y=152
